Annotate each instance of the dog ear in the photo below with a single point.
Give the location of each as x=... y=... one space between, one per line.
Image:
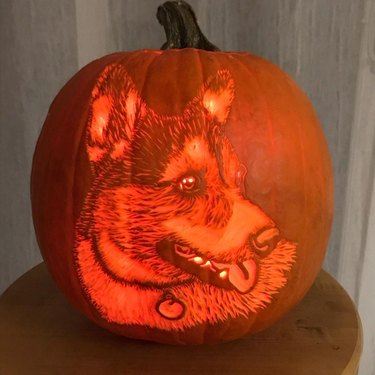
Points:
x=218 y=94
x=116 y=106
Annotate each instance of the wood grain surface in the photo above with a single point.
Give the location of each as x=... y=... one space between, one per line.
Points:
x=40 y=333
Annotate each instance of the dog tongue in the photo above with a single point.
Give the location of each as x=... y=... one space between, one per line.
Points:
x=242 y=276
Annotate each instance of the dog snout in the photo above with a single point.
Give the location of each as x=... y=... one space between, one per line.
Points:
x=265 y=240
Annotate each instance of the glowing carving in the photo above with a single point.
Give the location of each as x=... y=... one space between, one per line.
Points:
x=100 y=112
x=166 y=237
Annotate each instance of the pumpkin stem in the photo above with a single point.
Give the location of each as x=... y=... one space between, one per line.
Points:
x=181 y=27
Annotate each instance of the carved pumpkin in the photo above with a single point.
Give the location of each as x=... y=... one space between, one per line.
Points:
x=182 y=196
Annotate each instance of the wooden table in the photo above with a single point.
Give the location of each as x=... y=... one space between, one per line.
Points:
x=41 y=334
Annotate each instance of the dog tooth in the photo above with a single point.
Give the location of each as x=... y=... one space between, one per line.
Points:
x=209 y=265
x=198 y=260
x=223 y=274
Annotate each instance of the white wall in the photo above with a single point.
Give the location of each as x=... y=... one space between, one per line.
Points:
x=38 y=56
x=357 y=256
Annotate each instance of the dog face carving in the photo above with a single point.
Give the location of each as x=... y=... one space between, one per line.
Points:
x=166 y=237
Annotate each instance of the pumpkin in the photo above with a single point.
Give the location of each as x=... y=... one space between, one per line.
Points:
x=182 y=195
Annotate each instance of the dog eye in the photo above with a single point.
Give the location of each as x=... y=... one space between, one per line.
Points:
x=188 y=184
x=240 y=175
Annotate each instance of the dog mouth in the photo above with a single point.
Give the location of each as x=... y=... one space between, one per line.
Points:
x=240 y=276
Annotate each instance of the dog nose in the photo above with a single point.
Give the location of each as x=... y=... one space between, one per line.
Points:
x=265 y=240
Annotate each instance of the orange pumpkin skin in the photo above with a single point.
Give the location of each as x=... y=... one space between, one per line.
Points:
x=260 y=120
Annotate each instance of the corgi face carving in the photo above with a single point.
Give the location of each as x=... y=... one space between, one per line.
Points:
x=167 y=237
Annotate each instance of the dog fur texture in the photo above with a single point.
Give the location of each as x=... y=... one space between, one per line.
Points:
x=169 y=178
